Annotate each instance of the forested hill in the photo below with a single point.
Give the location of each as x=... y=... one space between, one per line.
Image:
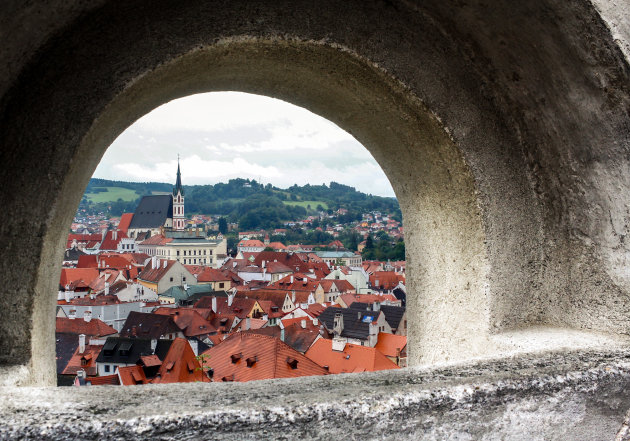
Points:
x=241 y=200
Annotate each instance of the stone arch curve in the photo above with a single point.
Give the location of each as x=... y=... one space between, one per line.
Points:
x=495 y=180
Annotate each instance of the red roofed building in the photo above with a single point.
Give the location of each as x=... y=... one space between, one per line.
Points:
x=386 y=280
x=393 y=347
x=111 y=240
x=190 y=321
x=82 y=241
x=84 y=358
x=247 y=356
x=341 y=357
x=125 y=221
x=132 y=375
x=161 y=274
x=250 y=245
x=217 y=279
x=180 y=365
x=88 y=326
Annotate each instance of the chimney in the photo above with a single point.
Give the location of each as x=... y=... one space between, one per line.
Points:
x=81 y=374
x=214 y=304
x=248 y=324
x=81 y=343
x=303 y=323
x=115 y=234
x=87 y=316
x=106 y=288
x=338 y=324
x=165 y=263
x=230 y=299
x=263 y=263
x=315 y=322
x=68 y=295
x=305 y=280
x=72 y=314
x=291 y=279
x=153 y=262
x=282 y=334
x=153 y=345
x=293 y=296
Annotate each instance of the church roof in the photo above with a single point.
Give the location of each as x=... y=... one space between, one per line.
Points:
x=152 y=211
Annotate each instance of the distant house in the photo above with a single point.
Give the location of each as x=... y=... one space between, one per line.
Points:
x=250 y=245
x=353 y=326
x=119 y=351
x=160 y=275
x=393 y=347
x=151 y=326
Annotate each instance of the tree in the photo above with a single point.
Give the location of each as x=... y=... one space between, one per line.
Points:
x=223 y=226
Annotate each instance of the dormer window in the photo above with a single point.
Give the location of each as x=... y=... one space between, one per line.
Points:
x=236 y=357
x=292 y=362
x=251 y=361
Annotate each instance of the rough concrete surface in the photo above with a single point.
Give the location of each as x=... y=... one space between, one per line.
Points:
x=573 y=396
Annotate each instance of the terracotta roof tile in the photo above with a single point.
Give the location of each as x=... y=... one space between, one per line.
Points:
x=246 y=356
x=94 y=327
x=354 y=358
x=180 y=365
x=391 y=345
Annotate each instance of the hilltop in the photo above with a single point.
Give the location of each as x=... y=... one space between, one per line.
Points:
x=245 y=201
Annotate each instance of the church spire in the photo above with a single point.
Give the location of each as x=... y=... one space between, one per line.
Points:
x=178 y=182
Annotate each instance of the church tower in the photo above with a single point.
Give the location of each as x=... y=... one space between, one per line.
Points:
x=179 y=222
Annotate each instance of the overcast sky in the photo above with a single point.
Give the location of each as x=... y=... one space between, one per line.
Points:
x=224 y=135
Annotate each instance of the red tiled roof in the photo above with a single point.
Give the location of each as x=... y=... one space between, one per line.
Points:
x=300 y=283
x=180 y=365
x=104 y=380
x=158 y=239
x=125 y=221
x=391 y=345
x=130 y=375
x=83 y=238
x=277 y=246
x=212 y=275
x=188 y=320
x=75 y=275
x=87 y=261
x=109 y=243
x=154 y=275
x=251 y=243
x=354 y=358
x=386 y=279
x=247 y=356
x=94 y=327
x=85 y=360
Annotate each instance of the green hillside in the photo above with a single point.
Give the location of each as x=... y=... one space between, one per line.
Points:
x=111 y=194
x=247 y=202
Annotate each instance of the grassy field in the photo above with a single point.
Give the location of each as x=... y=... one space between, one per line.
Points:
x=313 y=204
x=113 y=194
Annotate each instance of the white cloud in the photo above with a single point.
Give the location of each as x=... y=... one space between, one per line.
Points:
x=226 y=135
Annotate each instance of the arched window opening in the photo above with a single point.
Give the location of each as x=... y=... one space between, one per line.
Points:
x=307 y=233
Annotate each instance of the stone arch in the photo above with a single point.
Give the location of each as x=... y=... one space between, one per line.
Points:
x=481 y=158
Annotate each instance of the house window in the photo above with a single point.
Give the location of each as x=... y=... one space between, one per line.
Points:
x=171 y=279
x=178 y=252
x=221 y=285
x=106 y=367
x=183 y=279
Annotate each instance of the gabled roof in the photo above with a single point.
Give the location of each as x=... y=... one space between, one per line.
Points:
x=83 y=238
x=212 y=275
x=94 y=327
x=129 y=350
x=85 y=360
x=356 y=324
x=300 y=283
x=296 y=337
x=111 y=380
x=71 y=276
x=188 y=320
x=72 y=255
x=152 y=211
x=354 y=358
x=391 y=345
x=245 y=356
x=251 y=243
x=125 y=221
x=180 y=365
x=131 y=375
x=87 y=261
x=150 y=274
x=147 y=325
x=111 y=239
x=385 y=280
x=393 y=315
x=277 y=297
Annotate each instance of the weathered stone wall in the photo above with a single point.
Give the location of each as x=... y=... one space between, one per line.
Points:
x=502 y=126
